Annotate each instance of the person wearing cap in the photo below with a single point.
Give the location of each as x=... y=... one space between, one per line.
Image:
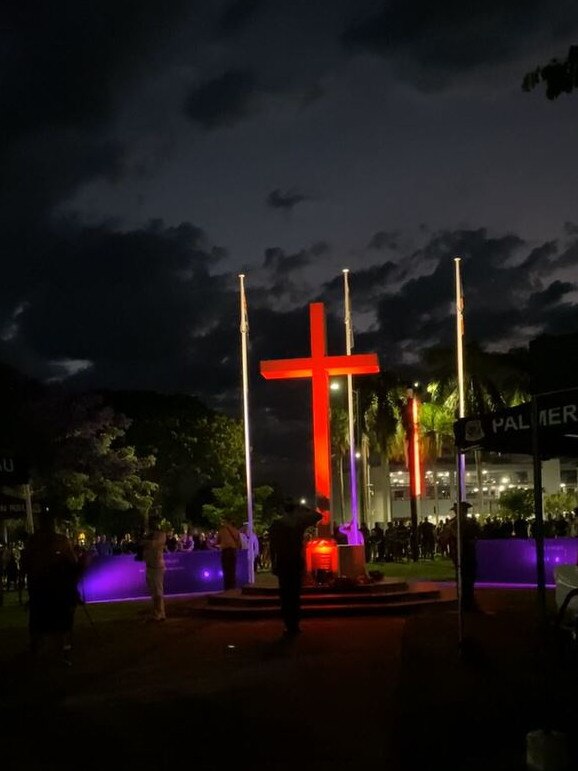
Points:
x=287 y=559
x=469 y=531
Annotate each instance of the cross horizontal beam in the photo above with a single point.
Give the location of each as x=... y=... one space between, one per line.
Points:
x=358 y=364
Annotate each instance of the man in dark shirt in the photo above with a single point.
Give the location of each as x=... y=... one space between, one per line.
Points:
x=287 y=560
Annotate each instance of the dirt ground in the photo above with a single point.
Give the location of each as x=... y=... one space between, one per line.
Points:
x=382 y=692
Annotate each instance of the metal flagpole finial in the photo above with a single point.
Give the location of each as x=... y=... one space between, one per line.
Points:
x=345 y=270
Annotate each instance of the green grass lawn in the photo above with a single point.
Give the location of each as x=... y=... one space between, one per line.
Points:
x=426 y=570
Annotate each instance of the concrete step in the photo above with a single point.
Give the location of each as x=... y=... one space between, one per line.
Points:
x=243 y=599
x=401 y=608
x=415 y=597
x=383 y=587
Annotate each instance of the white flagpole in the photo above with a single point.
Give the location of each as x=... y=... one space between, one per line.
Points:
x=460 y=363
x=29 y=514
x=354 y=530
x=460 y=457
x=244 y=358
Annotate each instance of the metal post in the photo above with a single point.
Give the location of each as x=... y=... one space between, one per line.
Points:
x=244 y=329
x=356 y=538
x=538 y=511
x=459 y=589
x=460 y=457
x=29 y=516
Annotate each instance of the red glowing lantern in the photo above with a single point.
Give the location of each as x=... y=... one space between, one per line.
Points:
x=321 y=555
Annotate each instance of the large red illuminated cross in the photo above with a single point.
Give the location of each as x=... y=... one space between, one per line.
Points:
x=319 y=367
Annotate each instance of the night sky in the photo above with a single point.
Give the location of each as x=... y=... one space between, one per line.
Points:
x=151 y=150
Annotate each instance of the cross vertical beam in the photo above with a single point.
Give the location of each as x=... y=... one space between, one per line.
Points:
x=320 y=401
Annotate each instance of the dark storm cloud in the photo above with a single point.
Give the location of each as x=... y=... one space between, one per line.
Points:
x=431 y=44
x=571 y=229
x=550 y=297
x=287 y=200
x=384 y=239
x=366 y=285
x=64 y=66
x=281 y=267
x=280 y=263
x=540 y=257
x=222 y=101
x=126 y=301
x=63 y=61
x=237 y=15
x=569 y=257
x=507 y=292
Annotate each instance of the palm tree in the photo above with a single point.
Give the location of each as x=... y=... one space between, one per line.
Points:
x=493 y=382
x=381 y=419
x=436 y=422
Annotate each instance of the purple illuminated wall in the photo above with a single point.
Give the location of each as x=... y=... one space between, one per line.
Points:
x=513 y=560
x=122 y=577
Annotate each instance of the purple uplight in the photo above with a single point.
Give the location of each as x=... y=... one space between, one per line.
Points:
x=121 y=577
x=512 y=561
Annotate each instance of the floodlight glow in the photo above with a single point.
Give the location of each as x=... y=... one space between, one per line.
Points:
x=120 y=577
x=512 y=561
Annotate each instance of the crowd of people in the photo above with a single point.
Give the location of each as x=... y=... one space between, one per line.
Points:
x=393 y=543
x=47 y=565
x=191 y=539
x=389 y=544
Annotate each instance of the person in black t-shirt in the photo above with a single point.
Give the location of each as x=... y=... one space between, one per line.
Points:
x=287 y=559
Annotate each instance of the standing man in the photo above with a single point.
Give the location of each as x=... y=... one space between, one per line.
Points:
x=153 y=545
x=287 y=559
x=251 y=542
x=229 y=542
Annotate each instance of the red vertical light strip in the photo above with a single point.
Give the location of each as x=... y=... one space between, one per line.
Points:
x=416 y=449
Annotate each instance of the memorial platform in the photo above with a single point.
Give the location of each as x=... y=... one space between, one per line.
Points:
x=389 y=596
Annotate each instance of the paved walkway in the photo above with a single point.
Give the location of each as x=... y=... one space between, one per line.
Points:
x=387 y=693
